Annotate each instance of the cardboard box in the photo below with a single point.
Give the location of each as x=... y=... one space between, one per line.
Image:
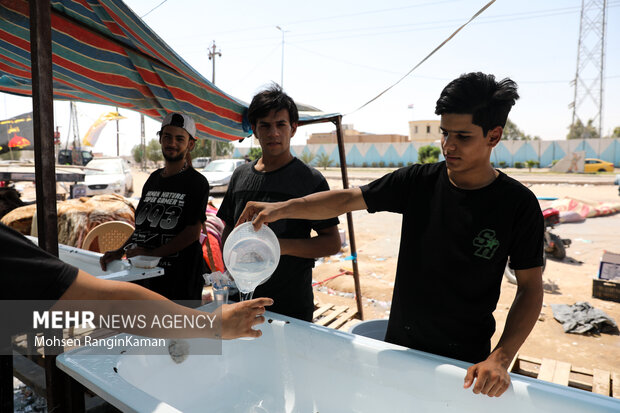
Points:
x=610 y=266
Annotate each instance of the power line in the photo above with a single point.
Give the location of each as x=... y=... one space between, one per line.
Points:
x=478 y=13
x=343 y=15
x=416 y=26
x=144 y=15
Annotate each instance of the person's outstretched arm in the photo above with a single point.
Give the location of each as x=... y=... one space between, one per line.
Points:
x=317 y=206
x=491 y=375
x=237 y=319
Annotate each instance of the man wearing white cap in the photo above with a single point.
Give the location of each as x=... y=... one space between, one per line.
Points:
x=170 y=215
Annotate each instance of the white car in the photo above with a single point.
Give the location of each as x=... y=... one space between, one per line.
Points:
x=106 y=176
x=219 y=172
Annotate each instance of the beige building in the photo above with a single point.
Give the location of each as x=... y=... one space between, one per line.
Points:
x=350 y=135
x=424 y=130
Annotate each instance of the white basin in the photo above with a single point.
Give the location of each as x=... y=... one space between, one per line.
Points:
x=88 y=261
x=302 y=367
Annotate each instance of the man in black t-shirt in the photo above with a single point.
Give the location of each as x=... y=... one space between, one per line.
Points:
x=30 y=273
x=170 y=215
x=279 y=176
x=462 y=219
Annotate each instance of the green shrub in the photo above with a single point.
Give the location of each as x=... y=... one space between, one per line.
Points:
x=324 y=160
x=532 y=163
x=428 y=154
x=307 y=157
x=381 y=164
x=519 y=165
x=255 y=153
x=502 y=164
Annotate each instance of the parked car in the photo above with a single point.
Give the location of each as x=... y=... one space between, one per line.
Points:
x=71 y=157
x=200 y=162
x=108 y=175
x=218 y=173
x=597 y=165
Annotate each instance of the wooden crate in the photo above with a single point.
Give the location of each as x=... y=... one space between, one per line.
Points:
x=603 y=382
x=340 y=317
x=606 y=289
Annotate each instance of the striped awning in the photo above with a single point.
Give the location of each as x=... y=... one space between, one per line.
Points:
x=103 y=53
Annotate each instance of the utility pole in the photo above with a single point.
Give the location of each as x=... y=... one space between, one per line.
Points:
x=589 y=78
x=143 y=142
x=212 y=55
x=282 y=60
x=118 y=139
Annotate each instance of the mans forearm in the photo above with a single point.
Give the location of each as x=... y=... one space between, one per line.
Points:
x=324 y=205
x=317 y=206
x=521 y=319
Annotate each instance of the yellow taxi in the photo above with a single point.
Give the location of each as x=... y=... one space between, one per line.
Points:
x=597 y=165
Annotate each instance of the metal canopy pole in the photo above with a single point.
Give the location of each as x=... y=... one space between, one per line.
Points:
x=43 y=122
x=345 y=184
x=60 y=390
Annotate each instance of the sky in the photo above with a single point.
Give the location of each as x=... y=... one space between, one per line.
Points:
x=338 y=55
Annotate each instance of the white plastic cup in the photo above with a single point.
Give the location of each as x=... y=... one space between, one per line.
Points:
x=220 y=296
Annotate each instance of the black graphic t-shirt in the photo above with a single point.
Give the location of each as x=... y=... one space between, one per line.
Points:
x=453 y=251
x=291 y=284
x=167 y=206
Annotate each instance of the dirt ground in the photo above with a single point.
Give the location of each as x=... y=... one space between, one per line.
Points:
x=377 y=239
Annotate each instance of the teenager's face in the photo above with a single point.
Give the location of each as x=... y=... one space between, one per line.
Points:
x=175 y=143
x=464 y=145
x=274 y=133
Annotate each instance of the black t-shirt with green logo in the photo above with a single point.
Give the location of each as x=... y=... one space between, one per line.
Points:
x=453 y=251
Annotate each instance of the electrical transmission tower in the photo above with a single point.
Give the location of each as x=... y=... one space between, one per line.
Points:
x=588 y=100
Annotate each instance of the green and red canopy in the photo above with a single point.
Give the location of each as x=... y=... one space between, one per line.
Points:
x=103 y=53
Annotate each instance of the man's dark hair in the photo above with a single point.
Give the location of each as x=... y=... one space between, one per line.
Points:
x=481 y=96
x=272 y=98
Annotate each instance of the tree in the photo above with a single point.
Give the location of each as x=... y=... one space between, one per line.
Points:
x=153 y=151
x=428 y=154
x=580 y=131
x=255 y=153
x=203 y=148
x=531 y=163
x=615 y=133
x=307 y=157
x=137 y=153
x=512 y=132
x=323 y=160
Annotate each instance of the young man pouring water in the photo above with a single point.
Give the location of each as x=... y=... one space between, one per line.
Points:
x=462 y=219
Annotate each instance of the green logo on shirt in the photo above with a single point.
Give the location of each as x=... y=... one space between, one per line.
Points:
x=487 y=244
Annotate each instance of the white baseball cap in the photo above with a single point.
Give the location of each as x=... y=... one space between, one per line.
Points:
x=180 y=120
